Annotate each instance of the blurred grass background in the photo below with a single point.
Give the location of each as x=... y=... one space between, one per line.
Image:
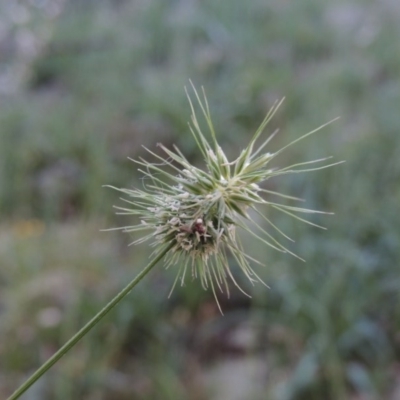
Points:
x=83 y=84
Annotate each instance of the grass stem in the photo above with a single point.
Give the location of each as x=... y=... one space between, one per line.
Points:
x=81 y=333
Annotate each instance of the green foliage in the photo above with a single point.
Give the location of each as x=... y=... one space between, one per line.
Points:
x=108 y=77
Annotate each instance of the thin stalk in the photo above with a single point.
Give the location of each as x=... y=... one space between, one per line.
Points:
x=80 y=334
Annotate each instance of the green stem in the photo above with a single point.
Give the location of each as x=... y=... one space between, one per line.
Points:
x=80 y=334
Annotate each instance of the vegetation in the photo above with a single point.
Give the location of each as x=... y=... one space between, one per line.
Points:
x=84 y=84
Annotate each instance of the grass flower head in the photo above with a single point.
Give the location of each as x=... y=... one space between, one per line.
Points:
x=196 y=212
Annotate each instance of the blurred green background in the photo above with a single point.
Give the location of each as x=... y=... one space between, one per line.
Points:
x=84 y=84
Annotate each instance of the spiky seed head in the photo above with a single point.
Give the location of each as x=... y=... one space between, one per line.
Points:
x=197 y=211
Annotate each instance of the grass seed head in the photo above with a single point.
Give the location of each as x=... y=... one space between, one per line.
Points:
x=199 y=211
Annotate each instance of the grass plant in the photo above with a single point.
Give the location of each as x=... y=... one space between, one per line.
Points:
x=192 y=222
